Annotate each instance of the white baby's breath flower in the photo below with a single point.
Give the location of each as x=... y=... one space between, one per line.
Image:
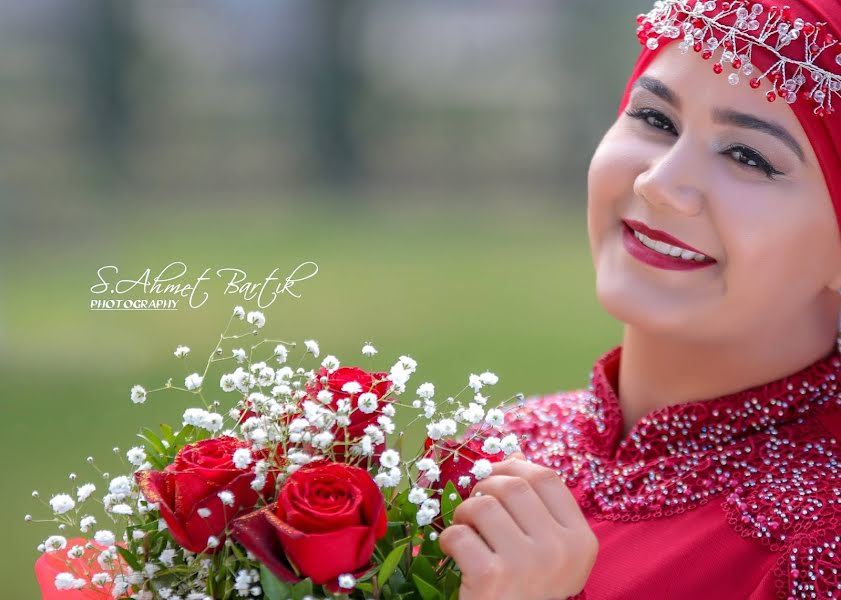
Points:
x=66 y=581
x=122 y=509
x=138 y=394
x=368 y=350
x=136 y=456
x=239 y=354
x=256 y=318
x=509 y=444
x=312 y=347
x=322 y=440
x=325 y=396
x=181 y=351
x=426 y=390
x=417 y=495
x=61 y=503
x=475 y=382
x=388 y=410
x=481 y=468
x=84 y=492
x=103 y=537
x=242 y=458
x=281 y=353
x=167 y=557
x=120 y=487
x=55 y=543
x=100 y=579
x=464 y=481
x=227 y=382
x=86 y=523
x=193 y=381
x=495 y=417
x=491 y=445
x=488 y=378
x=239 y=312
x=390 y=459
x=204 y=512
x=367 y=402
x=213 y=541
x=226 y=497
x=330 y=362
x=347 y=581
x=352 y=387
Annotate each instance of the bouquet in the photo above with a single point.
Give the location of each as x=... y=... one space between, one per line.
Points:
x=298 y=487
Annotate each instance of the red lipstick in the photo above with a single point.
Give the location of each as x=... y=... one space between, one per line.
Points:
x=656 y=259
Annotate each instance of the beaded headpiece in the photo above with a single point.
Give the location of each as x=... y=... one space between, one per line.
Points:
x=742 y=26
x=791 y=51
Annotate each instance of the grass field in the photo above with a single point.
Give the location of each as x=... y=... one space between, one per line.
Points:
x=461 y=290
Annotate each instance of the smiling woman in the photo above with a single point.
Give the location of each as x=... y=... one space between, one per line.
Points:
x=704 y=452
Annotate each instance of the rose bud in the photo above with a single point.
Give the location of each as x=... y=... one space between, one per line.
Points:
x=188 y=490
x=375 y=383
x=326 y=521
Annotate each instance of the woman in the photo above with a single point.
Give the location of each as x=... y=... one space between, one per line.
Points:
x=702 y=461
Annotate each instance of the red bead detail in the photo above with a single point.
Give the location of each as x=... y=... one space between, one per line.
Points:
x=820 y=112
x=728 y=44
x=640 y=19
x=754 y=82
x=737 y=64
x=718 y=68
x=707 y=54
x=808 y=29
x=771 y=96
x=696 y=46
x=828 y=39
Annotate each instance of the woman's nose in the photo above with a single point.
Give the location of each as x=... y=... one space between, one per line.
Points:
x=674 y=180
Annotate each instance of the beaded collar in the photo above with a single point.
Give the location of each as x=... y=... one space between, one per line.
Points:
x=704 y=424
x=679 y=457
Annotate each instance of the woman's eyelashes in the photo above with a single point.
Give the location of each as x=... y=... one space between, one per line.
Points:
x=741 y=154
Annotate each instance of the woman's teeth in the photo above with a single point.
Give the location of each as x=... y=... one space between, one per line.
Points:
x=664 y=248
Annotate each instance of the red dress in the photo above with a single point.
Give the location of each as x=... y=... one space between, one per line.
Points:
x=736 y=497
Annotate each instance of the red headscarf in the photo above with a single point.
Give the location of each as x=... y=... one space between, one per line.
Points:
x=824 y=132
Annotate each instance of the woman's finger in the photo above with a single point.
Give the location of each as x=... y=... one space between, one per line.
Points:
x=521 y=500
x=549 y=486
x=467 y=548
x=489 y=517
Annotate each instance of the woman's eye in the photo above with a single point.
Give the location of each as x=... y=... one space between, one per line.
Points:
x=741 y=154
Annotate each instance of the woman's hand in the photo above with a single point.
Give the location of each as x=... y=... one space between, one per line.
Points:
x=520 y=536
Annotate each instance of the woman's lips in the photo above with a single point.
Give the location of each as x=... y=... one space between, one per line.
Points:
x=660 y=236
x=651 y=257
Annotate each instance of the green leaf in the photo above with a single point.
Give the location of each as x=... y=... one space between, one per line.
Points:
x=390 y=563
x=448 y=506
x=423 y=569
x=427 y=591
x=130 y=558
x=150 y=436
x=302 y=588
x=273 y=588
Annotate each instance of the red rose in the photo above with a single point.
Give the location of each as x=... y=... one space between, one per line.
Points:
x=192 y=483
x=326 y=521
x=369 y=382
x=455 y=459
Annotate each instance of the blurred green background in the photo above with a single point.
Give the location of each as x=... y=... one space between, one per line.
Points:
x=430 y=157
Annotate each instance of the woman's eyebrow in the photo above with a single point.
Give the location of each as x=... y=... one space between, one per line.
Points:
x=725 y=116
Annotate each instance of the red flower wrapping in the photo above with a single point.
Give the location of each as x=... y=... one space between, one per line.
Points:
x=369 y=382
x=193 y=481
x=326 y=521
x=50 y=564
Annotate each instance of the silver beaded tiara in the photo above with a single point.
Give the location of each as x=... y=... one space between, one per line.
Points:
x=749 y=24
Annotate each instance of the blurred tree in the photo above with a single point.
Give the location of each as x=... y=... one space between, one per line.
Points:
x=105 y=44
x=332 y=81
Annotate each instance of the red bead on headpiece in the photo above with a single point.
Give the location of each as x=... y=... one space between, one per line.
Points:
x=807 y=58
